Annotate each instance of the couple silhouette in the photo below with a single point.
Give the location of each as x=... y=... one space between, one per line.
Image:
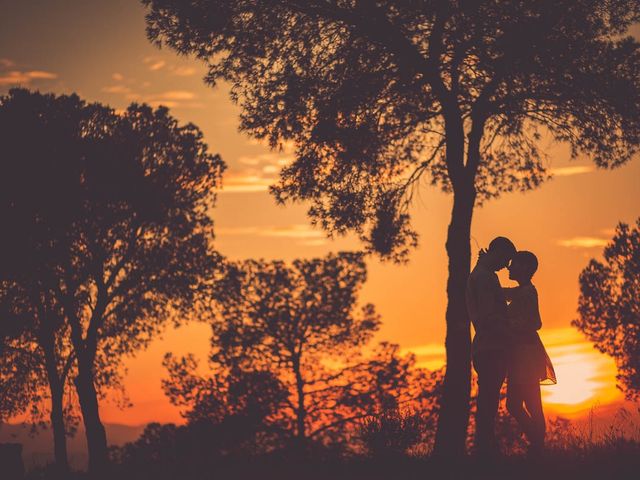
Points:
x=506 y=345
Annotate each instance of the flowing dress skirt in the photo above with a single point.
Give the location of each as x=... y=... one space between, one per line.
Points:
x=528 y=362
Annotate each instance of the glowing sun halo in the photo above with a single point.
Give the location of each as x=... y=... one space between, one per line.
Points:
x=585 y=378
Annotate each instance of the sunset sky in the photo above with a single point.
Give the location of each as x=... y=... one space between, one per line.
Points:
x=99 y=50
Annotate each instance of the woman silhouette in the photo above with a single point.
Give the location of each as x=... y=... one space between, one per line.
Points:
x=528 y=364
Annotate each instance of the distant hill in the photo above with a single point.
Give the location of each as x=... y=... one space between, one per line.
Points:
x=38 y=448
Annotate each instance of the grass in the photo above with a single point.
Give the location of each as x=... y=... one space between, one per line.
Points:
x=573 y=452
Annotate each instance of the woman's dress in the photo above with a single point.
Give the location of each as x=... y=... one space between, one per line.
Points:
x=528 y=360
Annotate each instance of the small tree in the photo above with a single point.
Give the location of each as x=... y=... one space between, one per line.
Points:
x=122 y=203
x=376 y=95
x=293 y=320
x=609 y=305
x=36 y=364
x=289 y=345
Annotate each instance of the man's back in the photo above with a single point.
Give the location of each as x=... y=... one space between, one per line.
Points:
x=487 y=309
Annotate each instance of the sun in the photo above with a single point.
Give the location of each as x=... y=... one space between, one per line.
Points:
x=585 y=378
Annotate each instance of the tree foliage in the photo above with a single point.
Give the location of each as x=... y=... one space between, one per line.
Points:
x=375 y=94
x=609 y=305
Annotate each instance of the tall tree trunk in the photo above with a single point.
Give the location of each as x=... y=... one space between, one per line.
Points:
x=56 y=388
x=454 y=404
x=95 y=432
x=59 y=431
x=301 y=413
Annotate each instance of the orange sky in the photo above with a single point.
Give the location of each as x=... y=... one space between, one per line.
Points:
x=99 y=50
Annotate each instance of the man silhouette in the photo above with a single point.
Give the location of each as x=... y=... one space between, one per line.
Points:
x=488 y=313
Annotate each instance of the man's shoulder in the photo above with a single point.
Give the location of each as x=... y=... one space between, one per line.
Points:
x=480 y=272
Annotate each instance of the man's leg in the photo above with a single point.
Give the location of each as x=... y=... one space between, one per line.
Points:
x=491 y=368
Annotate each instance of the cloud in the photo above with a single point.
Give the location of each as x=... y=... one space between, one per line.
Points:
x=7 y=63
x=572 y=170
x=245 y=183
x=609 y=232
x=294 y=231
x=270 y=158
x=120 y=89
x=583 y=242
x=252 y=178
x=314 y=243
x=304 y=233
x=154 y=63
x=176 y=95
x=183 y=71
x=118 y=77
x=169 y=98
x=175 y=104
x=16 y=77
x=427 y=350
x=270 y=169
x=430 y=356
x=257 y=172
x=561 y=336
x=39 y=74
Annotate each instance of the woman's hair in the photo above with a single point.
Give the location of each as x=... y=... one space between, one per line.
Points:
x=528 y=260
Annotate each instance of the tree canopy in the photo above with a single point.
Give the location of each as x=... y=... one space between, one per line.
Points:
x=376 y=94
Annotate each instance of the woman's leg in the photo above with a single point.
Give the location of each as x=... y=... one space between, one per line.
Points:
x=515 y=405
x=533 y=403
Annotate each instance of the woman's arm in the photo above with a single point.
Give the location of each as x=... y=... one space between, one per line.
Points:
x=526 y=315
x=530 y=304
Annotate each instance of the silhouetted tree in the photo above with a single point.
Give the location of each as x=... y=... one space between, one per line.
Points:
x=36 y=364
x=290 y=357
x=376 y=95
x=609 y=305
x=36 y=209
x=292 y=320
x=123 y=203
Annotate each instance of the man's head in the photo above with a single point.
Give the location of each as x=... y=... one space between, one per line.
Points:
x=500 y=251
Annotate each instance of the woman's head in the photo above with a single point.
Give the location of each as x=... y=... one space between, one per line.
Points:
x=523 y=266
